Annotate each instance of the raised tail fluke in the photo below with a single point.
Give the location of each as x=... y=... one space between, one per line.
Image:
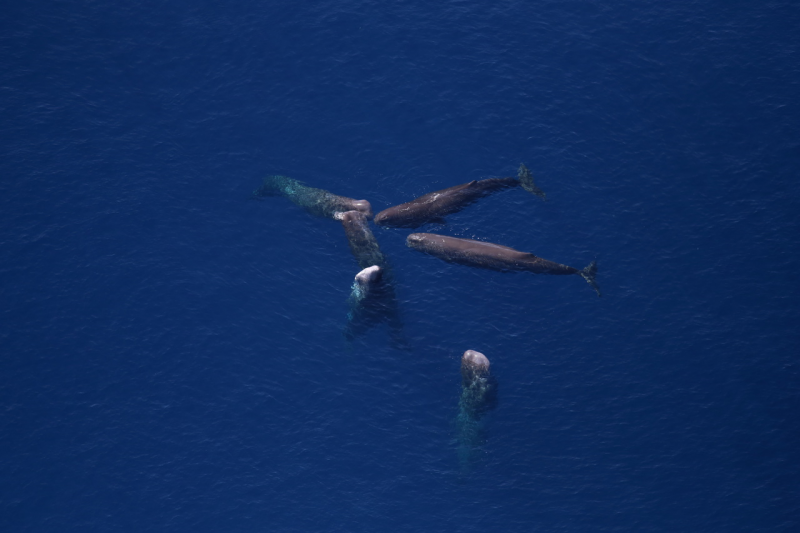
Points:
x=526 y=180
x=589 y=273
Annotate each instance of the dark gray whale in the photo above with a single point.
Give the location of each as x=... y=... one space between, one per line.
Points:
x=435 y=205
x=493 y=256
x=478 y=396
x=362 y=241
x=316 y=201
x=372 y=298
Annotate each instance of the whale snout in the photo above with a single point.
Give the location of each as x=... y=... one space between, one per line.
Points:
x=380 y=218
x=474 y=366
x=363 y=206
x=475 y=360
x=414 y=240
x=351 y=216
x=369 y=275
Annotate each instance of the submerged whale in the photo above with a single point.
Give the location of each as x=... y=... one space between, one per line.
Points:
x=433 y=206
x=372 y=297
x=478 y=396
x=316 y=201
x=493 y=256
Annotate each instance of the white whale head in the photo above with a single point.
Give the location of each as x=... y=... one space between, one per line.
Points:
x=369 y=276
x=474 y=365
x=475 y=360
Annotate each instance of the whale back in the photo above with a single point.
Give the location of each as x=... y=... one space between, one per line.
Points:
x=437 y=204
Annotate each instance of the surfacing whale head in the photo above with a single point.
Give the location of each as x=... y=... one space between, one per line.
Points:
x=369 y=276
x=474 y=365
x=415 y=240
x=363 y=206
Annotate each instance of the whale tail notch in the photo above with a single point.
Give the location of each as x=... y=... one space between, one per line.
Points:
x=589 y=273
x=526 y=180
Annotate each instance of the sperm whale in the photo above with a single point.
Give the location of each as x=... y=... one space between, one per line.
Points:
x=433 y=206
x=493 y=256
x=318 y=202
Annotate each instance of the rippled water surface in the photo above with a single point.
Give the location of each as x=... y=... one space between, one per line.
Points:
x=172 y=351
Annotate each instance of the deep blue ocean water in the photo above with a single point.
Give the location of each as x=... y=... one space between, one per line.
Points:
x=172 y=352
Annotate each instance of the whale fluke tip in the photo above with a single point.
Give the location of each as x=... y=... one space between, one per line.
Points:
x=589 y=273
x=526 y=180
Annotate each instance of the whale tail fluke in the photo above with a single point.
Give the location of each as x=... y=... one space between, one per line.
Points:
x=526 y=180
x=259 y=193
x=270 y=187
x=589 y=273
x=276 y=185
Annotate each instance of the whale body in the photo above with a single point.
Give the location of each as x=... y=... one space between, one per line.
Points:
x=478 y=397
x=432 y=207
x=372 y=297
x=493 y=256
x=318 y=202
x=478 y=388
x=363 y=244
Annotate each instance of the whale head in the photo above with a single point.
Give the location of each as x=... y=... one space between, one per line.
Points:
x=398 y=217
x=352 y=217
x=415 y=240
x=475 y=360
x=474 y=365
x=363 y=206
x=380 y=218
x=369 y=276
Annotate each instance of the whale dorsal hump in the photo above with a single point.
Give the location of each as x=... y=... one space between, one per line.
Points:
x=529 y=256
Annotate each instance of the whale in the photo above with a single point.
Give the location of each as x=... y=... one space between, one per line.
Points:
x=363 y=244
x=494 y=256
x=434 y=206
x=372 y=299
x=479 y=390
x=317 y=202
x=478 y=397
